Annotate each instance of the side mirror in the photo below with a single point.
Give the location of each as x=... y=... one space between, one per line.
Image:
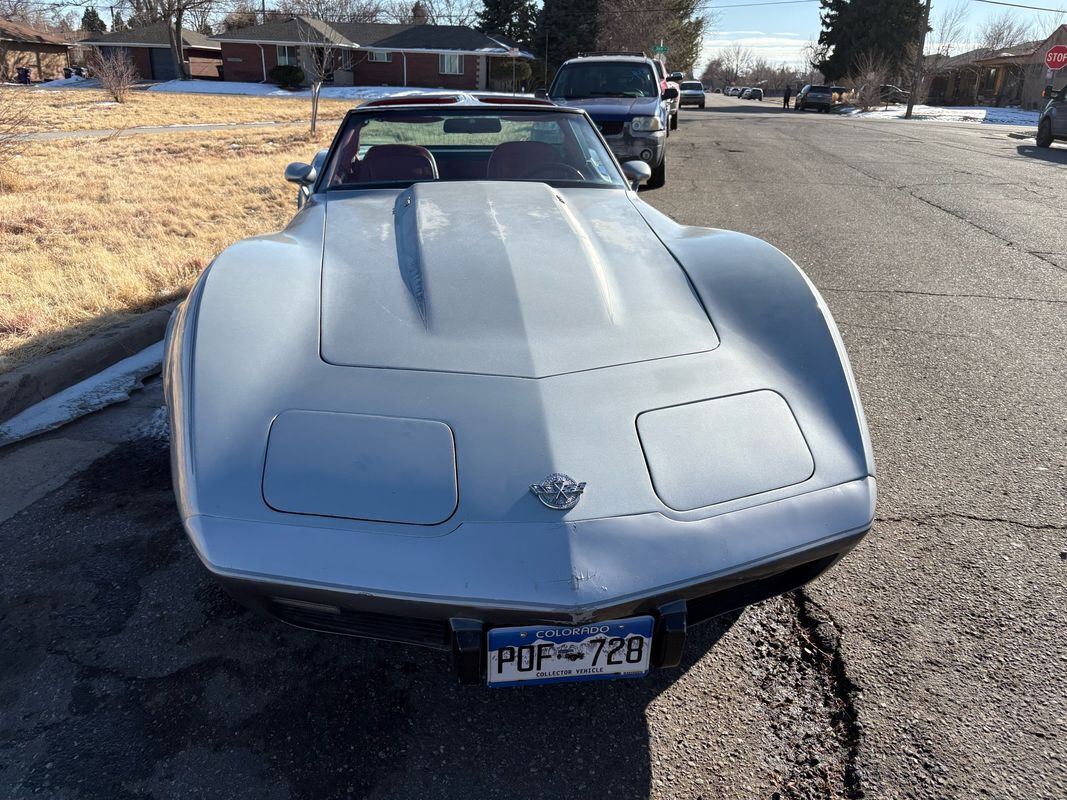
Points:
x=636 y=172
x=300 y=173
x=670 y=93
x=541 y=94
x=676 y=77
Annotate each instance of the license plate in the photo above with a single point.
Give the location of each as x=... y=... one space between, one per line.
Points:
x=619 y=648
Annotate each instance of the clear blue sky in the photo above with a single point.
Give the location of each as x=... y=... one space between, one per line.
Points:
x=779 y=33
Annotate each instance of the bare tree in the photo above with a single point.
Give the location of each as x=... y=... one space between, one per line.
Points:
x=14 y=125
x=335 y=10
x=321 y=46
x=115 y=71
x=736 y=60
x=1004 y=30
x=438 y=12
x=870 y=75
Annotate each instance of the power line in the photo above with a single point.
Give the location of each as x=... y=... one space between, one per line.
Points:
x=1017 y=5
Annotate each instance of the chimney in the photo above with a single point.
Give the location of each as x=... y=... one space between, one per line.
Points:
x=418 y=13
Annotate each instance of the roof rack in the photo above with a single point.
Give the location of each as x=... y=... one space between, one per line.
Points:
x=418 y=100
x=638 y=53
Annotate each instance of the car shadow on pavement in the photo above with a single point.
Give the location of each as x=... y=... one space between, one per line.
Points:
x=767 y=106
x=127 y=671
x=1054 y=154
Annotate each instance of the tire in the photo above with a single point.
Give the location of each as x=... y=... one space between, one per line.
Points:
x=659 y=175
x=1044 y=133
x=674 y=121
x=701 y=105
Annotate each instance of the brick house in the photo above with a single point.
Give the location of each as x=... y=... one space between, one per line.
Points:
x=149 y=48
x=43 y=54
x=1017 y=76
x=367 y=54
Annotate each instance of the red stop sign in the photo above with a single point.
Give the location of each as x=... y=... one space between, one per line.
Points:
x=1056 y=57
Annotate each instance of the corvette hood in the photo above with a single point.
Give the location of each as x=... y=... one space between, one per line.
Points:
x=501 y=278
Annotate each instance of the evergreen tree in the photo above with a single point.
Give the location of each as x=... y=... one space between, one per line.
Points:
x=118 y=23
x=564 y=29
x=512 y=18
x=858 y=31
x=91 y=21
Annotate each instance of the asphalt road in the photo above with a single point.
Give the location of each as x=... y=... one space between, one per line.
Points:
x=931 y=663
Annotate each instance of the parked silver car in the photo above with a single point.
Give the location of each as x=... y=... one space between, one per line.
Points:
x=478 y=396
x=1052 y=124
x=692 y=94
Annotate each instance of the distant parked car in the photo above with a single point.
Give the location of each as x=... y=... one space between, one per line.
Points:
x=752 y=94
x=666 y=82
x=1053 y=121
x=692 y=94
x=893 y=94
x=818 y=97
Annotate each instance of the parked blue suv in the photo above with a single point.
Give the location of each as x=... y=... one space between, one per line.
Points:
x=627 y=101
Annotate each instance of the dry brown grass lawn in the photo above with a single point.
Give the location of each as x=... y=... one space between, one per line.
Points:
x=102 y=228
x=92 y=109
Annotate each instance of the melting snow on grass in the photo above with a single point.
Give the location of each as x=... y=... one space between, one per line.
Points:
x=270 y=90
x=973 y=114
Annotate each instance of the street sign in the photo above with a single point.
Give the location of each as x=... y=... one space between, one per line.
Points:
x=1056 y=57
x=659 y=49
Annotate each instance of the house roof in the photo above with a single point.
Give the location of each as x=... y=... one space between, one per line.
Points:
x=151 y=36
x=17 y=32
x=1018 y=52
x=371 y=35
x=959 y=60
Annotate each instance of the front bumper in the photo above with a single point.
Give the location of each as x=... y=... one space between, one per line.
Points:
x=444 y=591
x=691 y=100
x=650 y=149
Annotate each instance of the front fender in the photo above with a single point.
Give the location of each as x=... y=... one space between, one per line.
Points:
x=759 y=300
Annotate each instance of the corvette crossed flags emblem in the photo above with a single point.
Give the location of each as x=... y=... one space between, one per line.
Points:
x=558 y=491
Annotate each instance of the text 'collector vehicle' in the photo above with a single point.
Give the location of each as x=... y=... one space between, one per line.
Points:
x=478 y=396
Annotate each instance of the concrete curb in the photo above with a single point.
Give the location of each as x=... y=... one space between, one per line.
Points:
x=23 y=386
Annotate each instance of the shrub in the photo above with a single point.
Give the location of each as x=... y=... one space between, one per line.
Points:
x=287 y=76
x=115 y=71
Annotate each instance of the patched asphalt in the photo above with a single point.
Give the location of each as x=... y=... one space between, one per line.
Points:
x=931 y=663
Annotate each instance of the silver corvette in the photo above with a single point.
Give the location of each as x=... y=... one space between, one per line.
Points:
x=478 y=396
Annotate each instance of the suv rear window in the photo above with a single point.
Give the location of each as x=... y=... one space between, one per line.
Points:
x=821 y=89
x=693 y=86
x=605 y=79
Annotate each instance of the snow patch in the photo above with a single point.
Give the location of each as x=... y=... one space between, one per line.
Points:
x=68 y=83
x=112 y=385
x=270 y=90
x=987 y=115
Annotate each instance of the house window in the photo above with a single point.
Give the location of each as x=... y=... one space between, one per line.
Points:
x=288 y=55
x=450 y=64
x=379 y=56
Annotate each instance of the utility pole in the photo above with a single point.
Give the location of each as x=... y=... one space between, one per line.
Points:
x=917 y=75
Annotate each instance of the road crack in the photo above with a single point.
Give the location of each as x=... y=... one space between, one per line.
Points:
x=928 y=518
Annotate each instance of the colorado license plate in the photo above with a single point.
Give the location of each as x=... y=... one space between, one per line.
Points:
x=562 y=653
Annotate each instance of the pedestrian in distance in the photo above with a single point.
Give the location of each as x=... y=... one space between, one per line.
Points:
x=785 y=97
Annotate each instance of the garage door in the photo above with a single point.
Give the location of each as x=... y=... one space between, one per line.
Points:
x=162 y=64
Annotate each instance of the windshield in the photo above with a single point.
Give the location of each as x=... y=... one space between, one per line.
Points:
x=692 y=86
x=605 y=79
x=394 y=147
